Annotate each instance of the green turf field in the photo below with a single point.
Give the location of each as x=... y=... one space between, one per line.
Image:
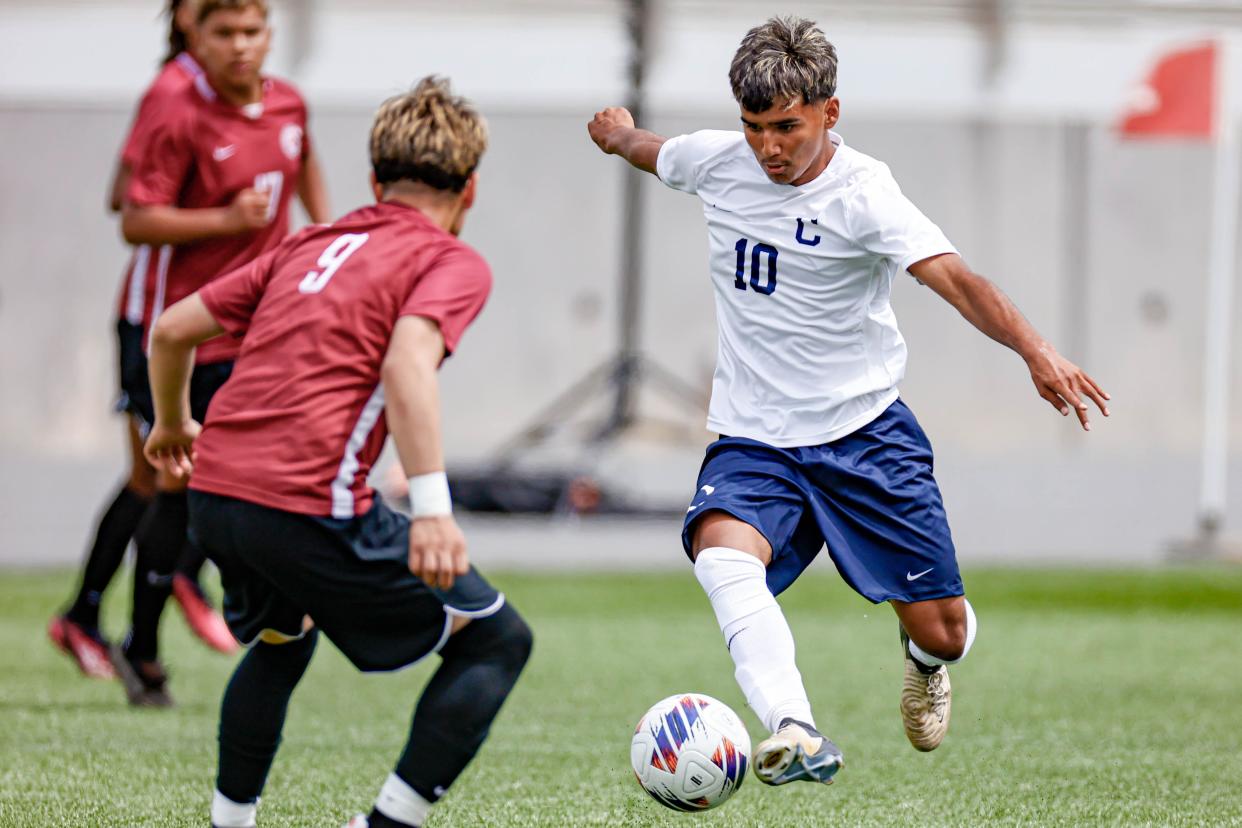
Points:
x=1091 y=698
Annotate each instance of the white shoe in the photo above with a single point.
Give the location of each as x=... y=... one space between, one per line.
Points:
x=797 y=752
x=360 y=821
x=926 y=701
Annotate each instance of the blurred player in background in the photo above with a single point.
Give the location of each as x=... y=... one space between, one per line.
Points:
x=342 y=330
x=77 y=631
x=214 y=182
x=806 y=236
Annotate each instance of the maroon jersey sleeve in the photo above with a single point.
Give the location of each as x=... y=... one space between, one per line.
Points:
x=156 y=103
x=141 y=128
x=233 y=298
x=163 y=167
x=451 y=293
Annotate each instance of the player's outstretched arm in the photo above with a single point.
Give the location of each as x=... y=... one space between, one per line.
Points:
x=178 y=331
x=1062 y=383
x=613 y=131
x=412 y=407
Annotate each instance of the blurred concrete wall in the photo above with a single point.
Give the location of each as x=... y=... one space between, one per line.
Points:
x=1123 y=293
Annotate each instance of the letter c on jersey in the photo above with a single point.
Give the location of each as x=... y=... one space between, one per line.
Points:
x=799 y=237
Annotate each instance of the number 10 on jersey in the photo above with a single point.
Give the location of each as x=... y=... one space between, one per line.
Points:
x=757 y=252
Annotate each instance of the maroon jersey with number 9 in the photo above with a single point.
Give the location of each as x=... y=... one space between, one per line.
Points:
x=301 y=420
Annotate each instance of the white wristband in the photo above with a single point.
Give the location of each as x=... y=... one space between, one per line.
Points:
x=429 y=495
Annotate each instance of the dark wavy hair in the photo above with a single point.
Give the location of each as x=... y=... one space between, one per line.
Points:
x=177 y=41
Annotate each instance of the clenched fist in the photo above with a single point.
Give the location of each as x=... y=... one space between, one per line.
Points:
x=605 y=125
x=249 y=210
x=437 y=550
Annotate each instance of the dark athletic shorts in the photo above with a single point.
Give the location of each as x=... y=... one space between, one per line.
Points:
x=135 y=396
x=135 y=391
x=869 y=496
x=350 y=575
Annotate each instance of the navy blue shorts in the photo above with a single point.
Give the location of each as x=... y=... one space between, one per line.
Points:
x=870 y=496
x=350 y=575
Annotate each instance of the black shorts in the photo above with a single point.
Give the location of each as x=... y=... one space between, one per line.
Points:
x=135 y=391
x=135 y=397
x=350 y=575
x=207 y=379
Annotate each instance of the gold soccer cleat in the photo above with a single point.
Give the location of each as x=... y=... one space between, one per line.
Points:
x=925 y=702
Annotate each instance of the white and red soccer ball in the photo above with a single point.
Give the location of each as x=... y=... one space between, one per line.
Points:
x=690 y=752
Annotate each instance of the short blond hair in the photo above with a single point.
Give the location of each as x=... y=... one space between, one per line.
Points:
x=429 y=135
x=207 y=8
x=785 y=60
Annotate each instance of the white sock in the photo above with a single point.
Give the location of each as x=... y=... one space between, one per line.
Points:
x=399 y=801
x=225 y=813
x=756 y=633
x=930 y=660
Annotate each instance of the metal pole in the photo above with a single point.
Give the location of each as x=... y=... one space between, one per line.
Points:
x=1076 y=212
x=1219 y=328
x=302 y=34
x=631 y=230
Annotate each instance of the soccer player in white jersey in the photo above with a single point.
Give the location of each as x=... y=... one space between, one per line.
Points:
x=806 y=236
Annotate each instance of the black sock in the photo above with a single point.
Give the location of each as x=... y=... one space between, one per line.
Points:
x=116 y=527
x=480 y=665
x=925 y=669
x=190 y=564
x=159 y=539
x=252 y=714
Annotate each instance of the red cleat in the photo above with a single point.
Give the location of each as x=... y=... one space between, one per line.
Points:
x=206 y=623
x=84 y=647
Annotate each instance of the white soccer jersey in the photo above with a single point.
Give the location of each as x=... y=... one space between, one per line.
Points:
x=809 y=349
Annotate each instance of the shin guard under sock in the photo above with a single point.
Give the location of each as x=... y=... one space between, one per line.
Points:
x=252 y=714
x=481 y=663
x=756 y=634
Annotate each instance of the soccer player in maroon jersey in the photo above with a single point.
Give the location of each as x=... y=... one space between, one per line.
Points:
x=76 y=630
x=342 y=329
x=215 y=181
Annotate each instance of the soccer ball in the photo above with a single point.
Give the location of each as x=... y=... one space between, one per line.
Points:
x=690 y=752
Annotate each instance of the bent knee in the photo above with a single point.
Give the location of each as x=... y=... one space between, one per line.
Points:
x=947 y=644
x=948 y=638
x=519 y=639
x=504 y=635
x=943 y=630
x=294 y=652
